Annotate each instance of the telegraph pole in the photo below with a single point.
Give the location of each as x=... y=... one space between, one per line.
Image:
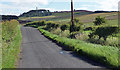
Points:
x=72 y=13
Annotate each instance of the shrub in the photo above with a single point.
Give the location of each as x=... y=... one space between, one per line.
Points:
x=36 y=23
x=81 y=36
x=51 y=25
x=104 y=32
x=56 y=31
x=77 y=22
x=41 y=23
x=64 y=27
x=65 y=33
x=99 y=20
x=77 y=26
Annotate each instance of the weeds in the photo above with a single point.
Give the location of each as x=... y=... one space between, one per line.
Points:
x=11 y=40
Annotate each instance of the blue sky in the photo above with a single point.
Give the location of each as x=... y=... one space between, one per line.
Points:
x=16 y=7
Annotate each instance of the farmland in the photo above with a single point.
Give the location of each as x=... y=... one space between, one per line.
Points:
x=55 y=16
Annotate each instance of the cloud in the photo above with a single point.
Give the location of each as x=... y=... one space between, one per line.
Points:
x=83 y=8
x=44 y=2
x=108 y=5
x=19 y=6
x=73 y=0
x=16 y=8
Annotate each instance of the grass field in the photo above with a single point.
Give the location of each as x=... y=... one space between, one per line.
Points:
x=83 y=17
x=55 y=16
x=29 y=18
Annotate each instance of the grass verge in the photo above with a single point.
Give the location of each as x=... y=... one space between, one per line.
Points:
x=104 y=54
x=11 y=51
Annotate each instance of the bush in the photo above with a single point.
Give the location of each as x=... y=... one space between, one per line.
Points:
x=36 y=23
x=56 y=31
x=65 y=27
x=77 y=22
x=65 y=33
x=41 y=23
x=99 y=20
x=105 y=32
x=51 y=25
x=81 y=36
x=77 y=26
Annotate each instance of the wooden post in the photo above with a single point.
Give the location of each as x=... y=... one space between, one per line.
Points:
x=72 y=13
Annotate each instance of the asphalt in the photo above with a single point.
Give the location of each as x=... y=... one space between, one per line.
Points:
x=39 y=52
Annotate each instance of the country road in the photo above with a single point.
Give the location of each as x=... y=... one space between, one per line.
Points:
x=39 y=52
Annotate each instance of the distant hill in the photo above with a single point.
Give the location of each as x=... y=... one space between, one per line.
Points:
x=9 y=17
x=74 y=11
x=104 y=11
x=43 y=12
x=36 y=13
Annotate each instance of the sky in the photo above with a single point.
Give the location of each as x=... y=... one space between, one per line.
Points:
x=17 y=7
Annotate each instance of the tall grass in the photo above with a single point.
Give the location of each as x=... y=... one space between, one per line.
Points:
x=0 y=44
x=11 y=40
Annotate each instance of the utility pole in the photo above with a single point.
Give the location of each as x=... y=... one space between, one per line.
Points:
x=72 y=13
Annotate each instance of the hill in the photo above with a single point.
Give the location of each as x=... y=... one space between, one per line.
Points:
x=57 y=15
x=8 y=17
x=36 y=13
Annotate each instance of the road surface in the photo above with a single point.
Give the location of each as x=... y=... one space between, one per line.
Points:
x=39 y=52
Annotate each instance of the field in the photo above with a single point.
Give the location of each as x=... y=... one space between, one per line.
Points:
x=55 y=16
x=90 y=35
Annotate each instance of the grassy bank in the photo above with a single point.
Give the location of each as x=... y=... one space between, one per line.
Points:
x=11 y=41
x=103 y=54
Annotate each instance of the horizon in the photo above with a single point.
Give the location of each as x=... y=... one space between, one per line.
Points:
x=17 y=7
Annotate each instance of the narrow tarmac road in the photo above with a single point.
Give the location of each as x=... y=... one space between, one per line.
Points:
x=39 y=52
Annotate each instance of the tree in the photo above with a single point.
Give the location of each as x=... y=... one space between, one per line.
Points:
x=99 y=20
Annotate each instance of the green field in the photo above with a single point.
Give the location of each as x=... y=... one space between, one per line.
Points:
x=55 y=16
x=84 y=16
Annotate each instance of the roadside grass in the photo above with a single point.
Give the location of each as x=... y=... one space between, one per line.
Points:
x=11 y=41
x=0 y=45
x=104 y=54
